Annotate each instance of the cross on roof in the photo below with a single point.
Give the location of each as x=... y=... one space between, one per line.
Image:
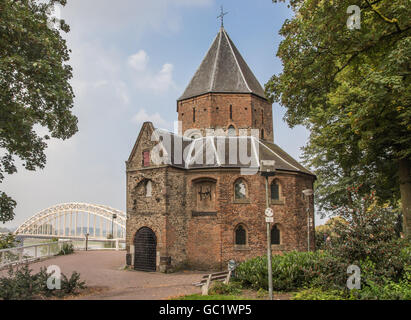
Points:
x=221 y=16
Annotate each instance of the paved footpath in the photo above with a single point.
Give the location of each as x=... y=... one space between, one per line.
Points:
x=105 y=270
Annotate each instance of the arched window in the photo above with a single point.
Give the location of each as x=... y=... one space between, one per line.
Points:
x=262 y=133
x=194 y=114
x=231 y=131
x=240 y=190
x=275 y=191
x=231 y=112
x=275 y=235
x=149 y=188
x=240 y=235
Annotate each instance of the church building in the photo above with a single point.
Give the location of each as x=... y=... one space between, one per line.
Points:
x=196 y=198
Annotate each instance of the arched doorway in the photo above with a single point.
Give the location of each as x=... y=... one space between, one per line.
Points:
x=145 y=244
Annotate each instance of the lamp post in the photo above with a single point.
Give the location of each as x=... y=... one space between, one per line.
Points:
x=307 y=193
x=112 y=224
x=267 y=169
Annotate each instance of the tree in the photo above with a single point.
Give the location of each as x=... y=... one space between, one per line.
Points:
x=7 y=241
x=352 y=89
x=365 y=231
x=34 y=87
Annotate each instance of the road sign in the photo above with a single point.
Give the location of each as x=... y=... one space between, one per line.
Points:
x=269 y=219
x=269 y=212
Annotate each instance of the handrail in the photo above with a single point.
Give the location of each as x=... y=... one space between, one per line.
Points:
x=34 y=245
x=15 y=255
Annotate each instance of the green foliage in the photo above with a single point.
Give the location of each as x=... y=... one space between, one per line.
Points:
x=322 y=232
x=22 y=284
x=319 y=294
x=8 y=241
x=70 y=286
x=292 y=270
x=220 y=288
x=67 y=248
x=352 y=89
x=373 y=287
x=367 y=233
x=34 y=87
x=388 y=290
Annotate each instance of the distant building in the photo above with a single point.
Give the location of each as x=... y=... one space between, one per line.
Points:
x=199 y=208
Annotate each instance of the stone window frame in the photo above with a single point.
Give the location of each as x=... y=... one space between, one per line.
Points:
x=281 y=199
x=245 y=200
x=280 y=230
x=146 y=182
x=143 y=181
x=241 y=246
x=195 y=212
x=228 y=128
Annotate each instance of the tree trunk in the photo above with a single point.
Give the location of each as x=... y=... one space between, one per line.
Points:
x=405 y=188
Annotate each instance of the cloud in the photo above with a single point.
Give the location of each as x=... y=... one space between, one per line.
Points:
x=139 y=17
x=145 y=79
x=112 y=71
x=138 y=61
x=157 y=120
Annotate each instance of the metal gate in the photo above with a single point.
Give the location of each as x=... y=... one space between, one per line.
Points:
x=145 y=244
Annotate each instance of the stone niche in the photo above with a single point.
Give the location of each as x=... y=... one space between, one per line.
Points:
x=204 y=197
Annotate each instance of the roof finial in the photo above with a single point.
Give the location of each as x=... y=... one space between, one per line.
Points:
x=221 y=16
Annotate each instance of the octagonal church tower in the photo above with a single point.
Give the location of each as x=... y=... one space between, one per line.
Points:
x=224 y=94
x=196 y=200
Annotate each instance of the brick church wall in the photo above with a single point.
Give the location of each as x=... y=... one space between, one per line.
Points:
x=213 y=111
x=188 y=239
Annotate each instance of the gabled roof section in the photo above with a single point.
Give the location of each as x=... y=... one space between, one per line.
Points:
x=223 y=69
x=147 y=126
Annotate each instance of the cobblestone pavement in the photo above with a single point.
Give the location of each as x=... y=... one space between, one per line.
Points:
x=104 y=270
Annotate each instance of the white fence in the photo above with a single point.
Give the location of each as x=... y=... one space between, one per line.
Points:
x=30 y=253
x=106 y=244
x=35 y=252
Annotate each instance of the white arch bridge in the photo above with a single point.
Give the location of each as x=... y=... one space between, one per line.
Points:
x=74 y=221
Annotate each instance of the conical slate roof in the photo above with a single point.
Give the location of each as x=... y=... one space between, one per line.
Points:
x=223 y=70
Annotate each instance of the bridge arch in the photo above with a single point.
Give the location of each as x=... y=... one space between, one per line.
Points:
x=74 y=220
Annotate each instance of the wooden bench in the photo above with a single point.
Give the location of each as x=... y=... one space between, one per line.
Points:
x=209 y=278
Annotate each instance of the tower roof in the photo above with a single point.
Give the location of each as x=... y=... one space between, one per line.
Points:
x=223 y=70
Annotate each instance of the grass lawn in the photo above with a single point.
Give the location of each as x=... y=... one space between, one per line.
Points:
x=244 y=295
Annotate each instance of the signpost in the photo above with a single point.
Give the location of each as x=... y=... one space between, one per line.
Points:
x=267 y=169
x=269 y=216
x=307 y=193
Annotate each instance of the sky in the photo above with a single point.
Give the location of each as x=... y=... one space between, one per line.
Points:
x=132 y=60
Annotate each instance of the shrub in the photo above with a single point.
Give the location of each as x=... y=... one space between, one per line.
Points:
x=293 y=270
x=8 y=241
x=220 y=288
x=319 y=294
x=21 y=284
x=67 y=248
x=386 y=289
x=367 y=230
